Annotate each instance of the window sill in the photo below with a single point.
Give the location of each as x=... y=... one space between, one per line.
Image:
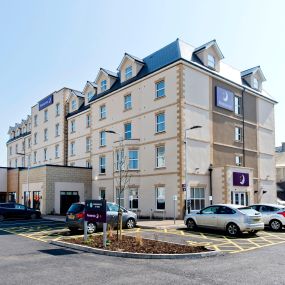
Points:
x=102 y=174
x=102 y=119
x=133 y=170
x=73 y=132
x=238 y=141
x=158 y=98
x=87 y=151
x=126 y=110
x=72 y=155
x=159 y=133
x=158 y=168
x=102 y=146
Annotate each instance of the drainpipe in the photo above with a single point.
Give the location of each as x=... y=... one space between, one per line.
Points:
x=243 y=138
x=211 y=183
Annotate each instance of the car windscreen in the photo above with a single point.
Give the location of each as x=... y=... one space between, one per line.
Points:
x=76 y=208
x=248 y=210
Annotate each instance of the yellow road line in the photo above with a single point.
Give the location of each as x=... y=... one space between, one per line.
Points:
x=230 y=241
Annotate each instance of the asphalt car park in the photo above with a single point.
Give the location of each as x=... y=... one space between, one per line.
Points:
x=47 y=231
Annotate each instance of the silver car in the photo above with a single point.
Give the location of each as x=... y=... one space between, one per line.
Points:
x=231 y=218
x=75 y=218
x=273 y=215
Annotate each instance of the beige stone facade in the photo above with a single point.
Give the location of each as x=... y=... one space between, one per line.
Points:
x=145 y=109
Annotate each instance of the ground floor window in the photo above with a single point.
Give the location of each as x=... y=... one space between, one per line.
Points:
x=12 y=197
x=160 y=198
x=27 y=199
x=239 y=198
x=197 y=198
x=102 y=194
x=120 y=198
x=133 y=198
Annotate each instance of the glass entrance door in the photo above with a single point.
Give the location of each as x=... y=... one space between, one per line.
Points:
x=36 y=200
x=239 y=198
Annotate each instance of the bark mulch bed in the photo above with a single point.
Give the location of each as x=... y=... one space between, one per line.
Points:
x=138 y=245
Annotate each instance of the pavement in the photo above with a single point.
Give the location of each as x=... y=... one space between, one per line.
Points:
x=144 y=224
x=25 y=259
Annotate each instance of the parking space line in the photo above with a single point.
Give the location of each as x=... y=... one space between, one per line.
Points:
x=230 y=241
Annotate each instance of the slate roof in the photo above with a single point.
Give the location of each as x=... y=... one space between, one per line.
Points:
x=135 y=57
x=82 y=108
x=77 y=93
x=17 y=137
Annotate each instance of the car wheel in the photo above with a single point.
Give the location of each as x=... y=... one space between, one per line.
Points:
x=1 y=218
x=91 y=228
x=130 y=224
x=232 y=229
x=191 y=225
x=275 y=225
x=33 y=216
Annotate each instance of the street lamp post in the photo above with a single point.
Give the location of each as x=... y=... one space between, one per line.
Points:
x=188 y=190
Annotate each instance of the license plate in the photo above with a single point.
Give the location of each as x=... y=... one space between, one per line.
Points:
x=71 y=217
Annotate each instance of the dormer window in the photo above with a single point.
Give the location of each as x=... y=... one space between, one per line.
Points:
x=103 y=85
x=211 y=61
x=73 y=105
x=255 y=83
x=89 y=96
x=128 y=72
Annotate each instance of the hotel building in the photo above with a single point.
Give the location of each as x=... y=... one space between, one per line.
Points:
x=151 y=108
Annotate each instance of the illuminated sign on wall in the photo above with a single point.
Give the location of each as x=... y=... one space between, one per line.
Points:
x=240 y=179
x=46 y=102
x=224 y=98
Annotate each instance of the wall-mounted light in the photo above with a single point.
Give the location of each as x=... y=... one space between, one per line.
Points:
x=255 y=192
x=264 y=192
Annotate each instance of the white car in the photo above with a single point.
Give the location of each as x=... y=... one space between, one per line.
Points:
x=273 y=215
x=231 y=218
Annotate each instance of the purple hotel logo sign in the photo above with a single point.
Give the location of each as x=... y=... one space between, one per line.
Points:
x=224 y=98
x=96 y=211
x=240 y=179
x=46 y=102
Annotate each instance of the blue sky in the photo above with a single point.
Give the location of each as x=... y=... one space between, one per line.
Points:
x=46 y=45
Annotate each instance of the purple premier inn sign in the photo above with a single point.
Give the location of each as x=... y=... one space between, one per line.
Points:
x=96 y=211
x=46 y=102
x=240 y=179
x=224 y=98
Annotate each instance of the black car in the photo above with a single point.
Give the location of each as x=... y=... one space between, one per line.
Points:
x=17 y=211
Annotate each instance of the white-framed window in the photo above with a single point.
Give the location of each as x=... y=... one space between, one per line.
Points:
x=57 y=109
x=16 y=162
x=238 y=160
x=72 y=148
x=45 y=135
x=35 y=138
x=160 y=156
x=103 y=138
x=72 y=126
x=88 y=121
x=133 y=159
x=160 y=89
x=88 y=164
x=160 y=198
x=160 y=122
x=255 y=83
x=29 y=143
x=88 y=144
x=128 y=131
x=197 y=198
x=103 y=85
x=46 y=115
x=35 y=120
x=23 y=161
x=16 y=148
x=102 y=193
x=10 y=150
x=56 y=151
x=211 y=61
x=128 y=102
x=128 y=72
x=103 y=112
x=57 y=130
x=73 y=105
x=23 y=145
x=119 y=160
x=133 y=198
x=29 y=160
x=35 y=157
x=120 y=197
x=89 y=95
x=238 y=134
x=45 y=154
x=102 y=164
x=238 y=101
